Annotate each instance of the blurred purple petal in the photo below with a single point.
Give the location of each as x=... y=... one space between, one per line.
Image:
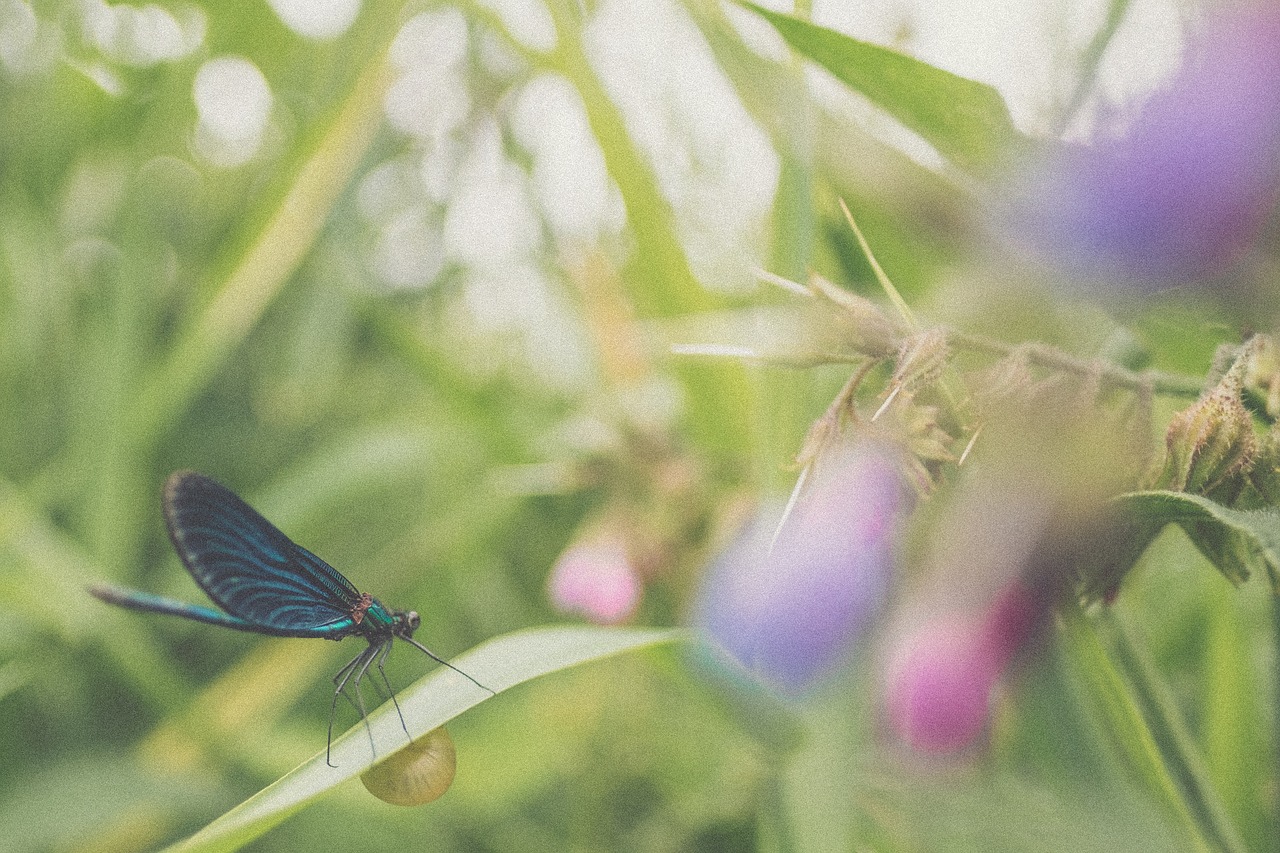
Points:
x=1188 y=189
x=790 y=615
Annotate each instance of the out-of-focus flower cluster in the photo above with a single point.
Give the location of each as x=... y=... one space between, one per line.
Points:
x=1034 y=518
x=1184 y=193
x=999 y=542
x=655 y=507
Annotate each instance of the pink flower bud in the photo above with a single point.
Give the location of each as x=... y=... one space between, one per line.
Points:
x=941 y=678
x=595 y=578
x=939 y=687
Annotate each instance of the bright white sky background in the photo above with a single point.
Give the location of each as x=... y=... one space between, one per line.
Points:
x=455 y=199
x=717 y=169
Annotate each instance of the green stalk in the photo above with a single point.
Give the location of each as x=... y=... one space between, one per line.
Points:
x=1149 y=730
x=53 y=568
x=268 y=261
x=794 y=217
x=1128 y=729
x=773 y=821
x=1108 y=374
x=1090 y=61
x=660 y=280
x=783 y=397
x=1169 y=730
x=1275 y=644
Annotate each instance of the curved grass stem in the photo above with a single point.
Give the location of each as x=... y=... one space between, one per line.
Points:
x=1148 y=730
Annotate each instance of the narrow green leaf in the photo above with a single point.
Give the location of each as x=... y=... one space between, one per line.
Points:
x=1091 y=60
x=1168 y=729
x=268 y=260
x=431 y=702
x=1233 y=714
x=966 y=121
x=886 y=187
x=1124 y=722
x=660 y=280
x=1237 y=542
x=1004 y=810
x=660 y=260
x=52 y=567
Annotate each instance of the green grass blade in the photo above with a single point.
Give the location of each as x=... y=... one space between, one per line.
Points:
x=660 y=281
x=269 y=259
x=49 y=566
x=1179 y=751
x=1233 y=711
x=1129 y=731
x=500 y=663
x=967 y=122
x=1091 y=61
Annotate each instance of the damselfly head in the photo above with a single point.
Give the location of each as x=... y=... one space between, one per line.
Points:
x=408 y=623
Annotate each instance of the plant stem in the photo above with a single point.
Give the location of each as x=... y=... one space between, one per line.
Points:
x=776 y=833
x=1164 y=719
x=1149 y=729
x=271 y=256
x=1106 y=373
x=1275 y=643
x=1124 y=722
x=1090 y=61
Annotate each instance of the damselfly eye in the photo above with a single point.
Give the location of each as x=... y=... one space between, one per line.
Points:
x=417 y=774
x=411 y=618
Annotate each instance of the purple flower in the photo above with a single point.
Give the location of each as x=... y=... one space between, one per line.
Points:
x=1185 y=193
x=791 y=613
x=596 y=578
x=941 y=678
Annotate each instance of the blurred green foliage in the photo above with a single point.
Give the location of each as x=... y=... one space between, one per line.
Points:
x=158 y=311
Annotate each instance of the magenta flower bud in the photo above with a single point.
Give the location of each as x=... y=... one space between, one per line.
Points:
x=596 y=579
x=939 y=687
x=941 y=678
x=1183 y=194
x=790 y=613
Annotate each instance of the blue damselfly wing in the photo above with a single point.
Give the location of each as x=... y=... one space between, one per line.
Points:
x=249 y=568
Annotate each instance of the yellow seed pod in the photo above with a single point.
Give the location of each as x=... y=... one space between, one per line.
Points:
x=417 y=774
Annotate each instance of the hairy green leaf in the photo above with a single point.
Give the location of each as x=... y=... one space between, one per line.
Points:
x=1237 y=542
